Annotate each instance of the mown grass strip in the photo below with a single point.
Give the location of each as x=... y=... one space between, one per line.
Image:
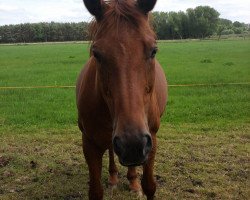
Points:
x=71 y=86
x=36 y=87
x=205 y=84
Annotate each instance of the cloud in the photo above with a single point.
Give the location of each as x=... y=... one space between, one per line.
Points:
x=12 y=15
x=16 y=11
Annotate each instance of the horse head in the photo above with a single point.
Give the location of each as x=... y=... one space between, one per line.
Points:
x=123 y=49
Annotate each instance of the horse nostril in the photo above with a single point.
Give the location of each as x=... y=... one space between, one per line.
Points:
x=148 y=145
x=117 y=144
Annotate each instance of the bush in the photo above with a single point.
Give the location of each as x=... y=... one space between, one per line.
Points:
x=227 y=32
x=238 y=31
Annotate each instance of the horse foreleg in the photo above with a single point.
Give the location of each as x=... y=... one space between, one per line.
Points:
x=148 y=181
x=93 y=157
x=134 y=184
x=113 y=171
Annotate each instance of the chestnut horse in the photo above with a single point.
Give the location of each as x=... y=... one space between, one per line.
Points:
x=121 y=94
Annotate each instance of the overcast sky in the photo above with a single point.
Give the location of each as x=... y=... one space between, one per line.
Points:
x=21 y=11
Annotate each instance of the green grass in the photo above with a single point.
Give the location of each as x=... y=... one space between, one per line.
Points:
x=183 y=62
x=206 y=61
x=203 y=143
x=41 y=64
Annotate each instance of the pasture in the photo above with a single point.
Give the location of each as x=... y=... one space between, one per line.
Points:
x=203 y=143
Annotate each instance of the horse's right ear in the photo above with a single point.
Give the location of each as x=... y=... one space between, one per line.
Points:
x=95 y=7
x=146 y=5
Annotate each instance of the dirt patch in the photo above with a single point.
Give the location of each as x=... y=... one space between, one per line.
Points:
x=33 y=164
x=160 y=180
x=4 y=160
x=196 y=182
x=73 y=196
x=190 y=190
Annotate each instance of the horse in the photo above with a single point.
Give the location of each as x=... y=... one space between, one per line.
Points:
x=121 y=93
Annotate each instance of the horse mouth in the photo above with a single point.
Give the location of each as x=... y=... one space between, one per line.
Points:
x=132 y=164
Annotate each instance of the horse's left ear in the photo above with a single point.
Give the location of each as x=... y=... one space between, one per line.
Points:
x=146 y=5
x=95 y=7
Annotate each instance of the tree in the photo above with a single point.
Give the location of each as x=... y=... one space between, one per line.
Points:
x=160 y=24
x=238 y=24
x=178 y=23
x=219 y=30
x=226 y=22
x=203 y=21
x=223 y=24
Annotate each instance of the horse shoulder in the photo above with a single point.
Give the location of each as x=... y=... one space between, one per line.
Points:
x=93 y=114
x=161 y=87
x=158 y=99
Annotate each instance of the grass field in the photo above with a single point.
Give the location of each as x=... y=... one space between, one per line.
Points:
x=203 y=143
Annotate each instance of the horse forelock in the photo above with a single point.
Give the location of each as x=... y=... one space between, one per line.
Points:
x=120 y=14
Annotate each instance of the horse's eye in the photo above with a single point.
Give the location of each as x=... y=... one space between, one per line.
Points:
x=153 y=52
x=97 y=55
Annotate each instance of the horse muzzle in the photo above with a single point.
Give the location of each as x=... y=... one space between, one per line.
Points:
x=132 y=150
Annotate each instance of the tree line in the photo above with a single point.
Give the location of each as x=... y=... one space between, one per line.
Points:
x=43 y=32
x=200 y=22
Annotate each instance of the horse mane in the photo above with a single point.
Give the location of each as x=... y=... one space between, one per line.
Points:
x=120 y=14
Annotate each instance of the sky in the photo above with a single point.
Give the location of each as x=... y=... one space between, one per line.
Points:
x=22 y=11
